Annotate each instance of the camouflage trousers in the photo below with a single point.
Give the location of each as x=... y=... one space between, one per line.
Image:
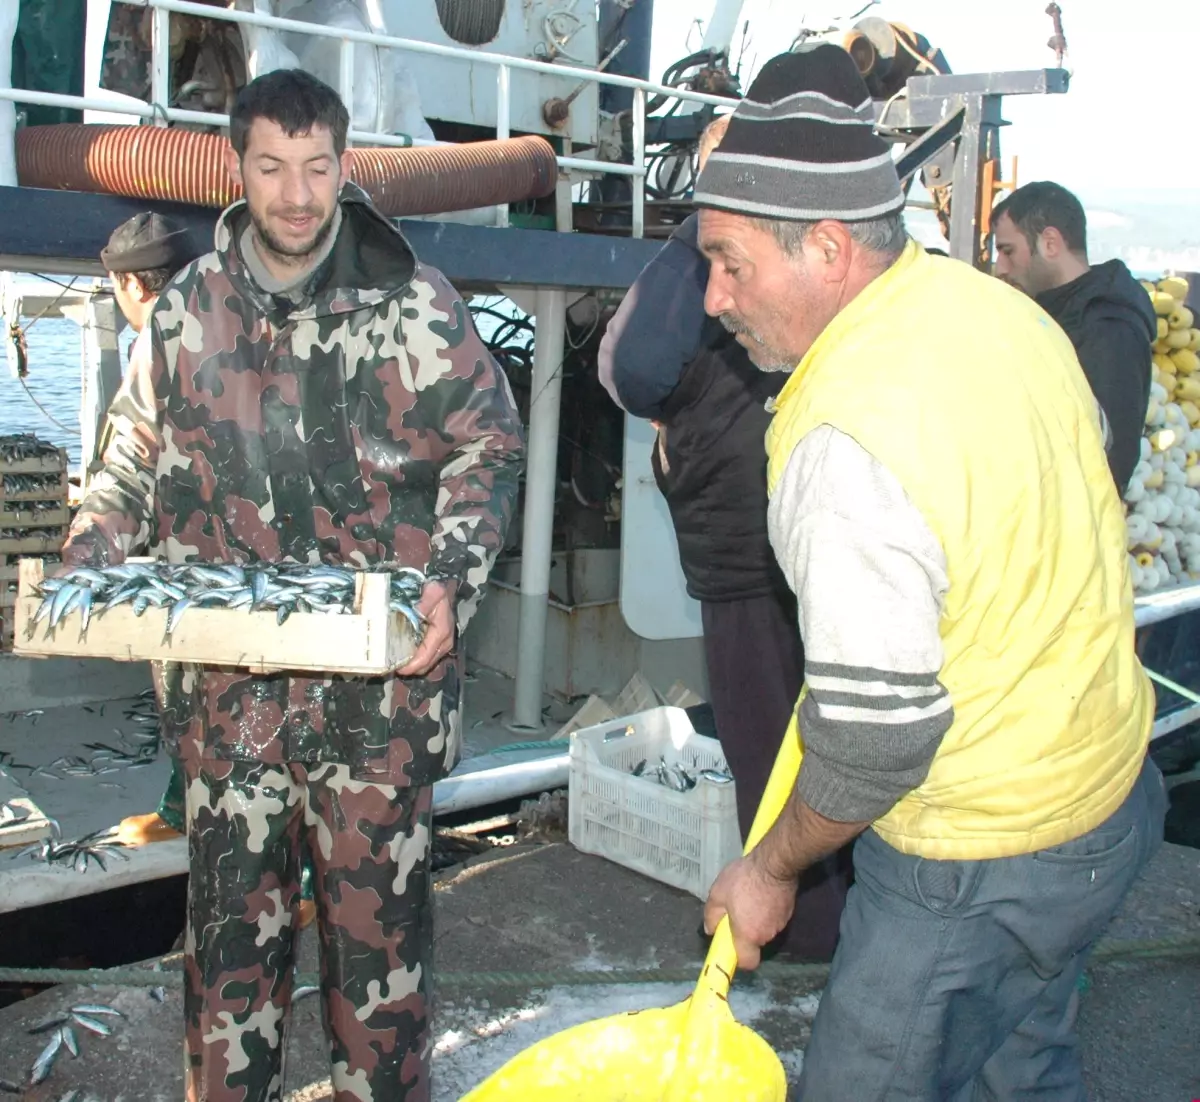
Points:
x=370 y=847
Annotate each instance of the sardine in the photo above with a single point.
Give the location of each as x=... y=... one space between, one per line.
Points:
x=69 y=1040
x=45 y=1061
x=91 y=1024
x=97 y=1008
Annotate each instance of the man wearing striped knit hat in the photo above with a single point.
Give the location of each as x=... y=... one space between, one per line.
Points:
x=975 y=713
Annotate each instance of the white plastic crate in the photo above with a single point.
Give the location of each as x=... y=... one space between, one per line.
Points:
x=680 y=838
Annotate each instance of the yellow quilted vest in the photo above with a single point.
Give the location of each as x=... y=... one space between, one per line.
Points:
x=973 y=398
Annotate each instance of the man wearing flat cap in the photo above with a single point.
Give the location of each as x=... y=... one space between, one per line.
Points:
x=975 y=714
x=142 y=256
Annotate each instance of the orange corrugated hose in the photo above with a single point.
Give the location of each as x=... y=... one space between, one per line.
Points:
x=152 y=162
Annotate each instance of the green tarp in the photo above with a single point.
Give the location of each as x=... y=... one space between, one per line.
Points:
x=48 y=55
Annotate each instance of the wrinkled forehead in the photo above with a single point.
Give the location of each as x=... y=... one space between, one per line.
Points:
x=729 y=235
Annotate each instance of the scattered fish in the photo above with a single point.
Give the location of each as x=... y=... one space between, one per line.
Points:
x=97 y=1008
x=303 y=990
x=158 y=994
x=77 y=854
x=281 y=588
x=13 y=813
x=70 y=1096
x=51 y=1021
x=7 y=1086
x=45 y=1061
x=69 y=1040
x=92 y=1024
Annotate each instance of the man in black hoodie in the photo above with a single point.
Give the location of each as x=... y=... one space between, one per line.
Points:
x=664 y=359
x=1041 y=247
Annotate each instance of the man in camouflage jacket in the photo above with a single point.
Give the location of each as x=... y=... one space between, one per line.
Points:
x=319 y=395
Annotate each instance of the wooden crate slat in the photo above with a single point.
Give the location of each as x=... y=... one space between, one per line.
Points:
x=58 y=491
x=45 y=464
x=51 y=542
x=28 y=518
x=370 y=641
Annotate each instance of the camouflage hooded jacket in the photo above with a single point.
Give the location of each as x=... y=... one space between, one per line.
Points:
x=368 y=425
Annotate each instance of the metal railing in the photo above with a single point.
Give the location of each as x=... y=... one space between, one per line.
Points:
x=160 y=113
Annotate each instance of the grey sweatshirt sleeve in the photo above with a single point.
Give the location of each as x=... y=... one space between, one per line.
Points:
x=870 y=578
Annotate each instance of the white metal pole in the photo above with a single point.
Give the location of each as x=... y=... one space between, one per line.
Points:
x=722 y=25
x=346 y=77
x=541 y=476
x=503 y=123
x=160 y=63
x=8 y=109
x=639 y=162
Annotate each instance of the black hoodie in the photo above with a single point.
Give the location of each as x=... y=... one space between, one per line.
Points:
x=1108 y=316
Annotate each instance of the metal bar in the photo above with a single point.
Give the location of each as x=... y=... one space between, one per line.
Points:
x=564 y=206
x=503 y=121
x=211 y=118
x=1156 y=607
x=965 y=199
x=639 y=161
x=256 y=19
x=8 y=112
x=538 y=528
x=346 y=77
x=1173 y=721
x=1021 y=82
x=99 y=322
x=929 y=145
x=160 y=64
x=203 y=118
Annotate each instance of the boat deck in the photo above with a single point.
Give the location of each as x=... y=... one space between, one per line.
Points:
x=38 y=734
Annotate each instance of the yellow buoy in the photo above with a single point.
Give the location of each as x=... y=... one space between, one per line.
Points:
x=1163 y=303
x=1180 y=318
x=1175 y=286
x=1185 y=361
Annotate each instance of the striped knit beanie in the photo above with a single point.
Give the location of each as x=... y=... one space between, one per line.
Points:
x=802 y=145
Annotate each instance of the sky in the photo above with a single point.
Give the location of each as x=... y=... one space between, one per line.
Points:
x=1122 y=138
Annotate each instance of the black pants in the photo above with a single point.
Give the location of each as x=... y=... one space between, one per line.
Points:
x=755 y=669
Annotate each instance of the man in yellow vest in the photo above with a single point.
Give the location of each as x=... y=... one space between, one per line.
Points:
x=975 y=716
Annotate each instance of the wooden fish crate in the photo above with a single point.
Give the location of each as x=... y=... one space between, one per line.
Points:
x=58 y=490
x=46 y=541
x=58 y=517
x=42 y=464
x=369 y=641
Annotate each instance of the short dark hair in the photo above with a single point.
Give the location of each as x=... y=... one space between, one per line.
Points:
x=155 y=237
x=153 y=279
x=1036 y=207
x=294 y=99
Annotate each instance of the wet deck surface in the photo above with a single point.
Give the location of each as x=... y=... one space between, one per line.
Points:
x=549 y=908
x=82 y=804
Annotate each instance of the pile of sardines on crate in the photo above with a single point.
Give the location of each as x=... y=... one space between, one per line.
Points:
x=282 y=588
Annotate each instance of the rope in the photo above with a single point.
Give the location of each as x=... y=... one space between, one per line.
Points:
x=1167 y=683
x=1181 y=948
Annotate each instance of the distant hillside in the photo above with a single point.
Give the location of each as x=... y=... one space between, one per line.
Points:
x=1151 y=231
